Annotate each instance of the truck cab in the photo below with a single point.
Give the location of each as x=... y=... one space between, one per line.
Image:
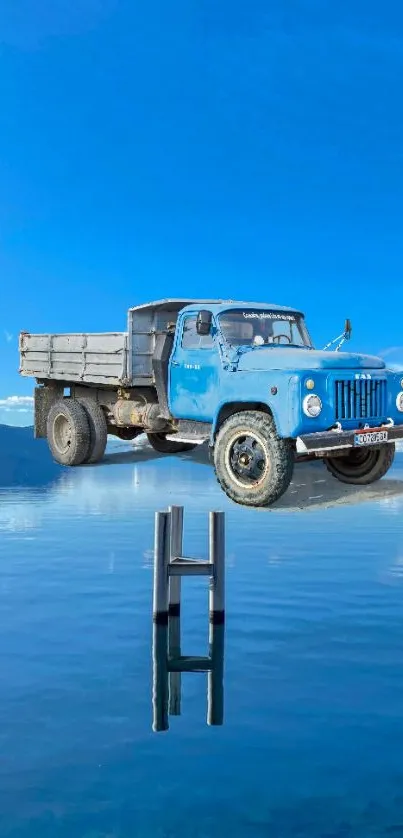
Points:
x=242 y=347
x=253 y=353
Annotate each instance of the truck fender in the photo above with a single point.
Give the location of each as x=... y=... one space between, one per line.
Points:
x=227 y=409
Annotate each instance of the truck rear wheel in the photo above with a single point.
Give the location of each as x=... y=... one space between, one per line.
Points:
x=68 y=432
x=98 y=430
x=163 y=445
x=362 y=466
x=253 y=466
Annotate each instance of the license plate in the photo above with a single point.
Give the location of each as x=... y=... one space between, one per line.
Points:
x=371 y=438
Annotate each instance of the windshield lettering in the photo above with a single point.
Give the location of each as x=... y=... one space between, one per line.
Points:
x=269 y=315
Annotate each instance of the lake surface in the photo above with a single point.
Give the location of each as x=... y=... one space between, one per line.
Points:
x=312 y=740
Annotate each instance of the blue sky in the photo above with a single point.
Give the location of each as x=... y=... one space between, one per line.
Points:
x=250 y=150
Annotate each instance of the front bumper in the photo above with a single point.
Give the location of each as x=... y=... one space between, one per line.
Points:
x=335 y=440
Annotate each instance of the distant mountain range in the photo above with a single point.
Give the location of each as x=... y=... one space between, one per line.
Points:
x=25 y=461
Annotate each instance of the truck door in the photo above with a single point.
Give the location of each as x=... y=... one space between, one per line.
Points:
x=193 y=373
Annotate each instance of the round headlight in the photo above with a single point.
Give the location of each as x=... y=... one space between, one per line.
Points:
x=399 y=402
x=312 y=406
x=309 y=384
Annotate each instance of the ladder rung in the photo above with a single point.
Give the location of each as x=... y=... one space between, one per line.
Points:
x=190 y=663
x=182 y=566
x=179 y=559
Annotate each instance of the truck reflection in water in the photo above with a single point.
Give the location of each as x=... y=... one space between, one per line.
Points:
x=168 y=665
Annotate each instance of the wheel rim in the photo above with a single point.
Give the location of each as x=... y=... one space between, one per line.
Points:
x=62 y=433
x=247 y=460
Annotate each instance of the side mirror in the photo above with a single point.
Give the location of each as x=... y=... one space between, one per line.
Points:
x=203 y=322
x=347 y=329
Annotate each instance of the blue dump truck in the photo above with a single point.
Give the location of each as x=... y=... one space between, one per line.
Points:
x=242 y=376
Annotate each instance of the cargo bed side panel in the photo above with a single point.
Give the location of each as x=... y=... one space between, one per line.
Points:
x=89 y=358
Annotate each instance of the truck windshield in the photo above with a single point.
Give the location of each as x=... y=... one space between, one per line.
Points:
x=264 y=327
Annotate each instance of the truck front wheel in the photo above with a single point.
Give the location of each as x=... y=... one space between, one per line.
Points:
x=168 y=446
x=68 y=432
x=253 y=465
x=362 y=466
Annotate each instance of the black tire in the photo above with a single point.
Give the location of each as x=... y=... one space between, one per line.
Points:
x=68 y=432
x=126 y=434
x=252 y=464
x=98 y=430
x=168 y=446
x=362 y=466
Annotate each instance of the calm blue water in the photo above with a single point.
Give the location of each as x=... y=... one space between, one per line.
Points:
x=312 y=741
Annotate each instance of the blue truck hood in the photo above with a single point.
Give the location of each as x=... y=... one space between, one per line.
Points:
x=271 y=358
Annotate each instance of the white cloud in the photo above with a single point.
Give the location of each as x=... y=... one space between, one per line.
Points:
x=390 y=350
x=19 y=404
x=395 y=353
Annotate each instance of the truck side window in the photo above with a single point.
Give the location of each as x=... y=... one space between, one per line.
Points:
x=190 y=338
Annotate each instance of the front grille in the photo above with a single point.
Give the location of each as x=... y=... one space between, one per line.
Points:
x=364 y=398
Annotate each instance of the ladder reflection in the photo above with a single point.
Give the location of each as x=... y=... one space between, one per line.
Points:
x=168 y=665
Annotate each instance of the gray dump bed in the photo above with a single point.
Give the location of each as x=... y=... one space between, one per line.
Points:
x=107 y=358
x=88 y=358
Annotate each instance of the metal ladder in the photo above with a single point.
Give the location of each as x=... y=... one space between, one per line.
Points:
x=168 y=662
